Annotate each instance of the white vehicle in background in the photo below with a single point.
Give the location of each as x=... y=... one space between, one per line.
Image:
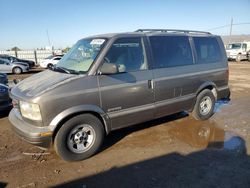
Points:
x=50 y=61
x=238 y=51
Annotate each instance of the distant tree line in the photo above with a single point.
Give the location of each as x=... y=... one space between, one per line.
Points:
x=65 y=50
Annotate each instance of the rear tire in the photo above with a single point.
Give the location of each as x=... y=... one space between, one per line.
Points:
x=17 y=70
x=204 y=106
x=79 y=138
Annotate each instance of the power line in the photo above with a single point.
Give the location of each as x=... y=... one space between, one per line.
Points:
x=228 y=25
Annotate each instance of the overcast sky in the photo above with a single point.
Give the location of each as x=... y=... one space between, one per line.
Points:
x=24 y=22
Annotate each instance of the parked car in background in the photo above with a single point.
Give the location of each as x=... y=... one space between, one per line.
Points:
x=238 y=51
x=50 y=61
x=13 y=59
x=17 y=68
x=3 y=78
x=111 y=81
x=5 y=101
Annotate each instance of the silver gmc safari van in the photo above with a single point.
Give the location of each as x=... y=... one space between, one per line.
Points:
x=111 y=81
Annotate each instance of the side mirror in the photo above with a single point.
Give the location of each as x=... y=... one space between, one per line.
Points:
x=109 y=68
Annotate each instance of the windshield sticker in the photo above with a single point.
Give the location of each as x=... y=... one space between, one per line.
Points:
x=97 y=41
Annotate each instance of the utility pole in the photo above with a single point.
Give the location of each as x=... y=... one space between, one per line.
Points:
x=231 y=27
x=48 y=37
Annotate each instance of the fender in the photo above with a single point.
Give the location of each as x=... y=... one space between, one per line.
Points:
x=81 y=109
x=205 y=85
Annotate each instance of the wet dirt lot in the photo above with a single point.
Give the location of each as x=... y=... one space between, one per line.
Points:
x=175 y=151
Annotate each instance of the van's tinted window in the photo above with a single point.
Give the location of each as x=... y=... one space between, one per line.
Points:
x=128 y=54
x=170 y=51
x=207 y=49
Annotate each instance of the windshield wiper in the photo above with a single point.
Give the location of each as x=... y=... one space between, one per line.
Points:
x=61 y=69
x=65 y=70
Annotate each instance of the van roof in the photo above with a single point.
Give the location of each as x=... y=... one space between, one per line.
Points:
x=152 y=32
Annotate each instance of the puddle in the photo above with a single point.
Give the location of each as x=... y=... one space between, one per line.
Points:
x=219 y=104
x=205 y=134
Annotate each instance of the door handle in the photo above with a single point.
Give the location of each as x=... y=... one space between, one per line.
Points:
x=150 y=84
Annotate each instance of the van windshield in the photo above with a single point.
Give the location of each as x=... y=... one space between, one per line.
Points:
x=234 y=46
x=81 y=56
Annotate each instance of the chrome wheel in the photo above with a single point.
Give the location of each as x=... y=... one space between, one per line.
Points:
x=81 y=138
x=205 y=105
x=17 y=70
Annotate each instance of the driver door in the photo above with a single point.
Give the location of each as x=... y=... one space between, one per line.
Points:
x=127 y=96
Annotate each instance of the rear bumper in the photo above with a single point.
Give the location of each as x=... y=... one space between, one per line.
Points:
x=223 y=93
x=39 y=136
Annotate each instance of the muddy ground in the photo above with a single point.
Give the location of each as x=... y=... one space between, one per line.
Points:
x=175 y=151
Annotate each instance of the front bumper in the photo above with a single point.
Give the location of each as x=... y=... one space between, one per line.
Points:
x=26 y=69
x=39 y=136
x=231 y=56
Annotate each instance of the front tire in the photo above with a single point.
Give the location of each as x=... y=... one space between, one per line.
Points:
x=204 y=106
x=79 y=138
x=238 y=58
x=50 y=66
x=17 y=70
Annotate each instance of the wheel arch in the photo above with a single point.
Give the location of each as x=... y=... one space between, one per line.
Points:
x=67 y=114
x=208 y=85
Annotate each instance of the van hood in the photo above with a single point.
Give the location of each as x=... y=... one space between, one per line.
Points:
x=40 y=83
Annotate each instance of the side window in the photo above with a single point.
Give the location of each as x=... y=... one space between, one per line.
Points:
x=171 y=51
x=244 y=47
x=207 y=49
x=128 y=54
x=58 y=58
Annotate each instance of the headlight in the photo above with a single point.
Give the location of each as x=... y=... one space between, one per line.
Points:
x=30 y=111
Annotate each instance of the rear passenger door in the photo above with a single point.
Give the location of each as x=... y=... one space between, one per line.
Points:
x=172 y=66
x=127 y=97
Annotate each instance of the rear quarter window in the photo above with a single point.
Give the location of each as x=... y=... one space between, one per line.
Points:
x=207 y=50
x=171 y=51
